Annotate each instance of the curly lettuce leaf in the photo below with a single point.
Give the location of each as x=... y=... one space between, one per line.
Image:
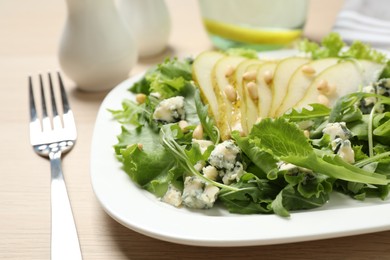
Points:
x=144 y=158
x=247 y=53
x=129 y=114
x=332 y=46
x=169 y=78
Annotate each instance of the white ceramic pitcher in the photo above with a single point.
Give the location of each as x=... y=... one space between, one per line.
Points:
x=149 y=20
x=97 y=51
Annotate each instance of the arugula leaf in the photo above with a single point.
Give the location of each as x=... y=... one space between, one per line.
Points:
x=381 y=124
x=167 y=137
x=285 y=141
x=207 y=122
x=344 y=105
x=253 y=196
x=310 y=184
x=311 y=112
x=262 y=159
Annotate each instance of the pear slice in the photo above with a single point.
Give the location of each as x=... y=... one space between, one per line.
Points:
x=339 y=80
x=246 y=72
x=265 y=77
x=226 y=94
x=300 y=81
x=283 y=72
x=202 y=74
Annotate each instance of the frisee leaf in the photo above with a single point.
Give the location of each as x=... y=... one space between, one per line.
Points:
x=129 y=114
x=169 y=78
x=332 y=46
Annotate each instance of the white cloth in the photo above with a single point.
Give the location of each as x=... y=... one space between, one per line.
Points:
x=365 y=20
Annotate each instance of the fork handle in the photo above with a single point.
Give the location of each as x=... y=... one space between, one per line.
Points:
x=64 y=239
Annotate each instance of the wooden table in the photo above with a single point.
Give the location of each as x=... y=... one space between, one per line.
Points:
x=29 y=35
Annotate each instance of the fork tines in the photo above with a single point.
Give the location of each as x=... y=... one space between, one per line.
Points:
x=50 y=119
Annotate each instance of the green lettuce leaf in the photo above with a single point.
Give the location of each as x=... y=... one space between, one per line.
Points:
x=169 y=78
x=262 y=159
x=143 y=164
x=315 y=111
x=207 y=122
x=253 y=196
x=286 y=142
x=290 y=199
x=332 y=46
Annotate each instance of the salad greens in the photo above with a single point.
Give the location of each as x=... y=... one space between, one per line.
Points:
x=284 y=164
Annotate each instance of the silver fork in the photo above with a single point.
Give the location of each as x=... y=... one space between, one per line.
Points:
x=51 y=137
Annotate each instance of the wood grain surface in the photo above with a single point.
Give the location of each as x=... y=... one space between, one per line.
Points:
x=29 y=37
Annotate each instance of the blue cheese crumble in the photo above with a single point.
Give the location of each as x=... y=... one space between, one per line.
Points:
x=203 y=144
x=197 y=194
x=170 y=110
x=226 y=158
x=382 y=87
x=172 y=196
x=339 y=135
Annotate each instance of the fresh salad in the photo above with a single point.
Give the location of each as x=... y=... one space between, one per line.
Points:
x=261 y=135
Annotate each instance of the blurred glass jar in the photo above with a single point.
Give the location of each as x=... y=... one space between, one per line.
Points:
x=256 y=24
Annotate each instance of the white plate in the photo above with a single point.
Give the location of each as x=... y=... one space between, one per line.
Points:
x=142 y=212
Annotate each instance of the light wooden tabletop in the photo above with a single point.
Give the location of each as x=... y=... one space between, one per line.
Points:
x=29 y=37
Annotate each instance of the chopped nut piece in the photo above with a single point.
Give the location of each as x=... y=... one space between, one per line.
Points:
x=322 y=86
x=183 y=125
x=229 y=71
x=325 y=88
x=249 y=75
x=252 y=89
x=230 y=93
x=198 y=132
x=268 y=76
x=140 y=98
x=323 y=100
x=308 y=70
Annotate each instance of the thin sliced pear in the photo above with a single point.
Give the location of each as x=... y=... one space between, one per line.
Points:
x=224 y=82
x=300 y=82
x=283 y=72
x=248 y=107
x=265 y=74
x=340 y=79
x=202 y=74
